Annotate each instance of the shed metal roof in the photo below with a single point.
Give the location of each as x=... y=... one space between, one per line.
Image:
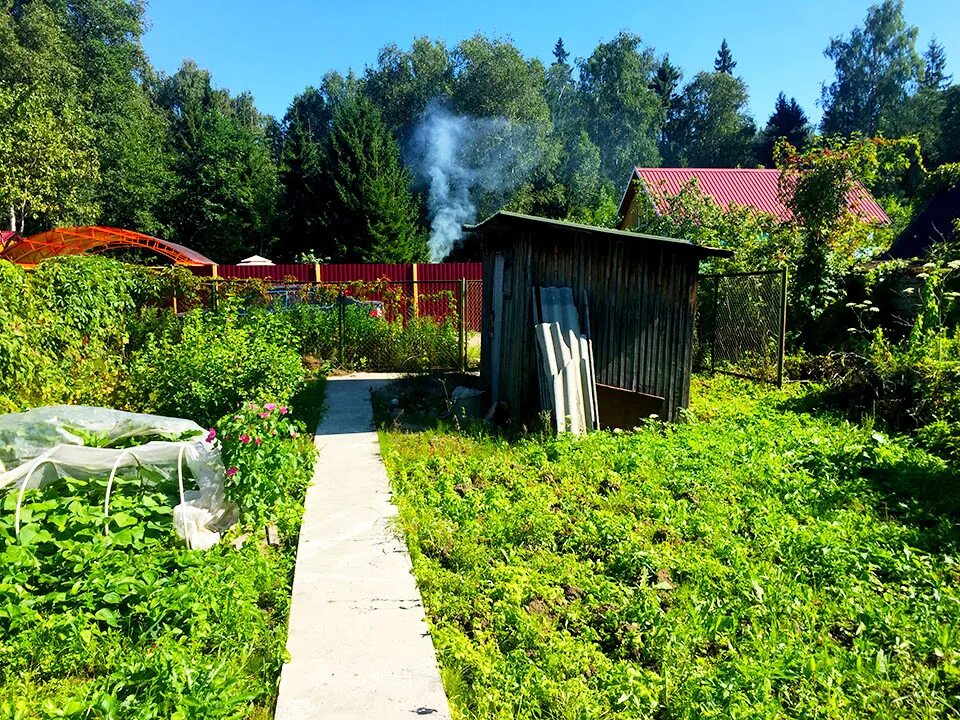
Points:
x=746 y=187
x=506 y=220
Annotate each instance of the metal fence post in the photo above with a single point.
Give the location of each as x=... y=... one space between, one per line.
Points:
x=713 y=330
x=461 y=312
x=340 y=313
x=782 y=350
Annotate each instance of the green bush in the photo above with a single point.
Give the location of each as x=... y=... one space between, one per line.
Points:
x=262 y=456
x=377 y=343
x=63 y=330
x=204 y=366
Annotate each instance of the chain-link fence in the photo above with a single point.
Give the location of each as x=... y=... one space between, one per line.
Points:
x=740 y=325
x=408 y=326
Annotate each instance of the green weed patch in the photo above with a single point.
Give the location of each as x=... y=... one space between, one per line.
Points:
x=752 y=562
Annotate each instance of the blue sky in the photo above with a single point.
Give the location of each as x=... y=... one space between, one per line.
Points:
x=275 y=49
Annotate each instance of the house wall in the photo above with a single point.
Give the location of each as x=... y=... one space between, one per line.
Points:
x=641 y=297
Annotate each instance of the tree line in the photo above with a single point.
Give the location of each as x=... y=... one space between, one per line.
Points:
x=90 y=132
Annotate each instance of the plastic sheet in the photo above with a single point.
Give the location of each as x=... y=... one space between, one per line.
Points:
x=47 y=444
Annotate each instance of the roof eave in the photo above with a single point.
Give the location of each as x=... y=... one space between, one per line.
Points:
x=490 y=224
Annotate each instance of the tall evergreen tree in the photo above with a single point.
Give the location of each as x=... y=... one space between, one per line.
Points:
x=369 y=212
x=788 y=120
x=664 y=85
x=305 y=127
x=225 y=201
x=665 y=82
x=724 y=62
x=935 y=68
x=560 y=53
x=875 y=69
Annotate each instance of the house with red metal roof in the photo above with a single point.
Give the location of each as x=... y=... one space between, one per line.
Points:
x=752 y=188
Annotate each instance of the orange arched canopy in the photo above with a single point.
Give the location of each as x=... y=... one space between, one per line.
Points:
x=93 y=238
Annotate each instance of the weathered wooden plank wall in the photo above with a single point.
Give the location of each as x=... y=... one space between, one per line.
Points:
x=641 y=296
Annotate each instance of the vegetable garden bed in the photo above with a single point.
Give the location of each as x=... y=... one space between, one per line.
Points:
x=753 y=562
x=130 y=623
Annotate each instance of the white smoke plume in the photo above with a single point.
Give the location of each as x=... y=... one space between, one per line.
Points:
x=460 y=160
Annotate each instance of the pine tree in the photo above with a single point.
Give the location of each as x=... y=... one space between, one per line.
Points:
x=665 y=82
x=787 y=120
x=370 y=213
x=560 y=52
x=934 y=75
x=724 y=62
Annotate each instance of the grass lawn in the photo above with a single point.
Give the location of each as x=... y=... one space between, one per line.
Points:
x=756 y=561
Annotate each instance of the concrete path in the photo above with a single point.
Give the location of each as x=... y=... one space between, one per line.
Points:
x=358 y=640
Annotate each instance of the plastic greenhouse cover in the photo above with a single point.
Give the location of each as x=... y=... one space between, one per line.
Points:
x=47 y=444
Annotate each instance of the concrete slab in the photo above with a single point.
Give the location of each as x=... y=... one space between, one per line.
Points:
x=358 y=639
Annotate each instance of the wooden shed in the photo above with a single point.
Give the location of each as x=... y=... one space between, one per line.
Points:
x=641 y=294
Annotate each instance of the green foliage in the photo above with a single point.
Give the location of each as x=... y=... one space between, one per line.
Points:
x=816 y=185
x=129 y=622
x=64 y=330
x=403 y=83
x=623 y=115
x=758 y=241
x=787 y=121
x=370 y=213
x=395 y=340
x=752 y=562
x=711 y=126
x=50 y=164
x=875 y=68
x=225 y=198
x=301 y=171
x=724 y=62
x=204 y=366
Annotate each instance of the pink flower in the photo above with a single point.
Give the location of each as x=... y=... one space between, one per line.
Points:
x=244 y=438
x=283 y=410
x=270 y=406
x=294 y=433
x=258 y=441
x=231 y=471
x=264 y=415
x=211 y=435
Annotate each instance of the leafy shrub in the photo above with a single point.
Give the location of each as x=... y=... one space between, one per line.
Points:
x=206 y=365
x=263 y=457
x=908 y=383
x=63 y=330
x=394 y=341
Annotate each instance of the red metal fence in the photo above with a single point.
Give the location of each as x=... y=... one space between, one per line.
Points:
x=348 y=272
